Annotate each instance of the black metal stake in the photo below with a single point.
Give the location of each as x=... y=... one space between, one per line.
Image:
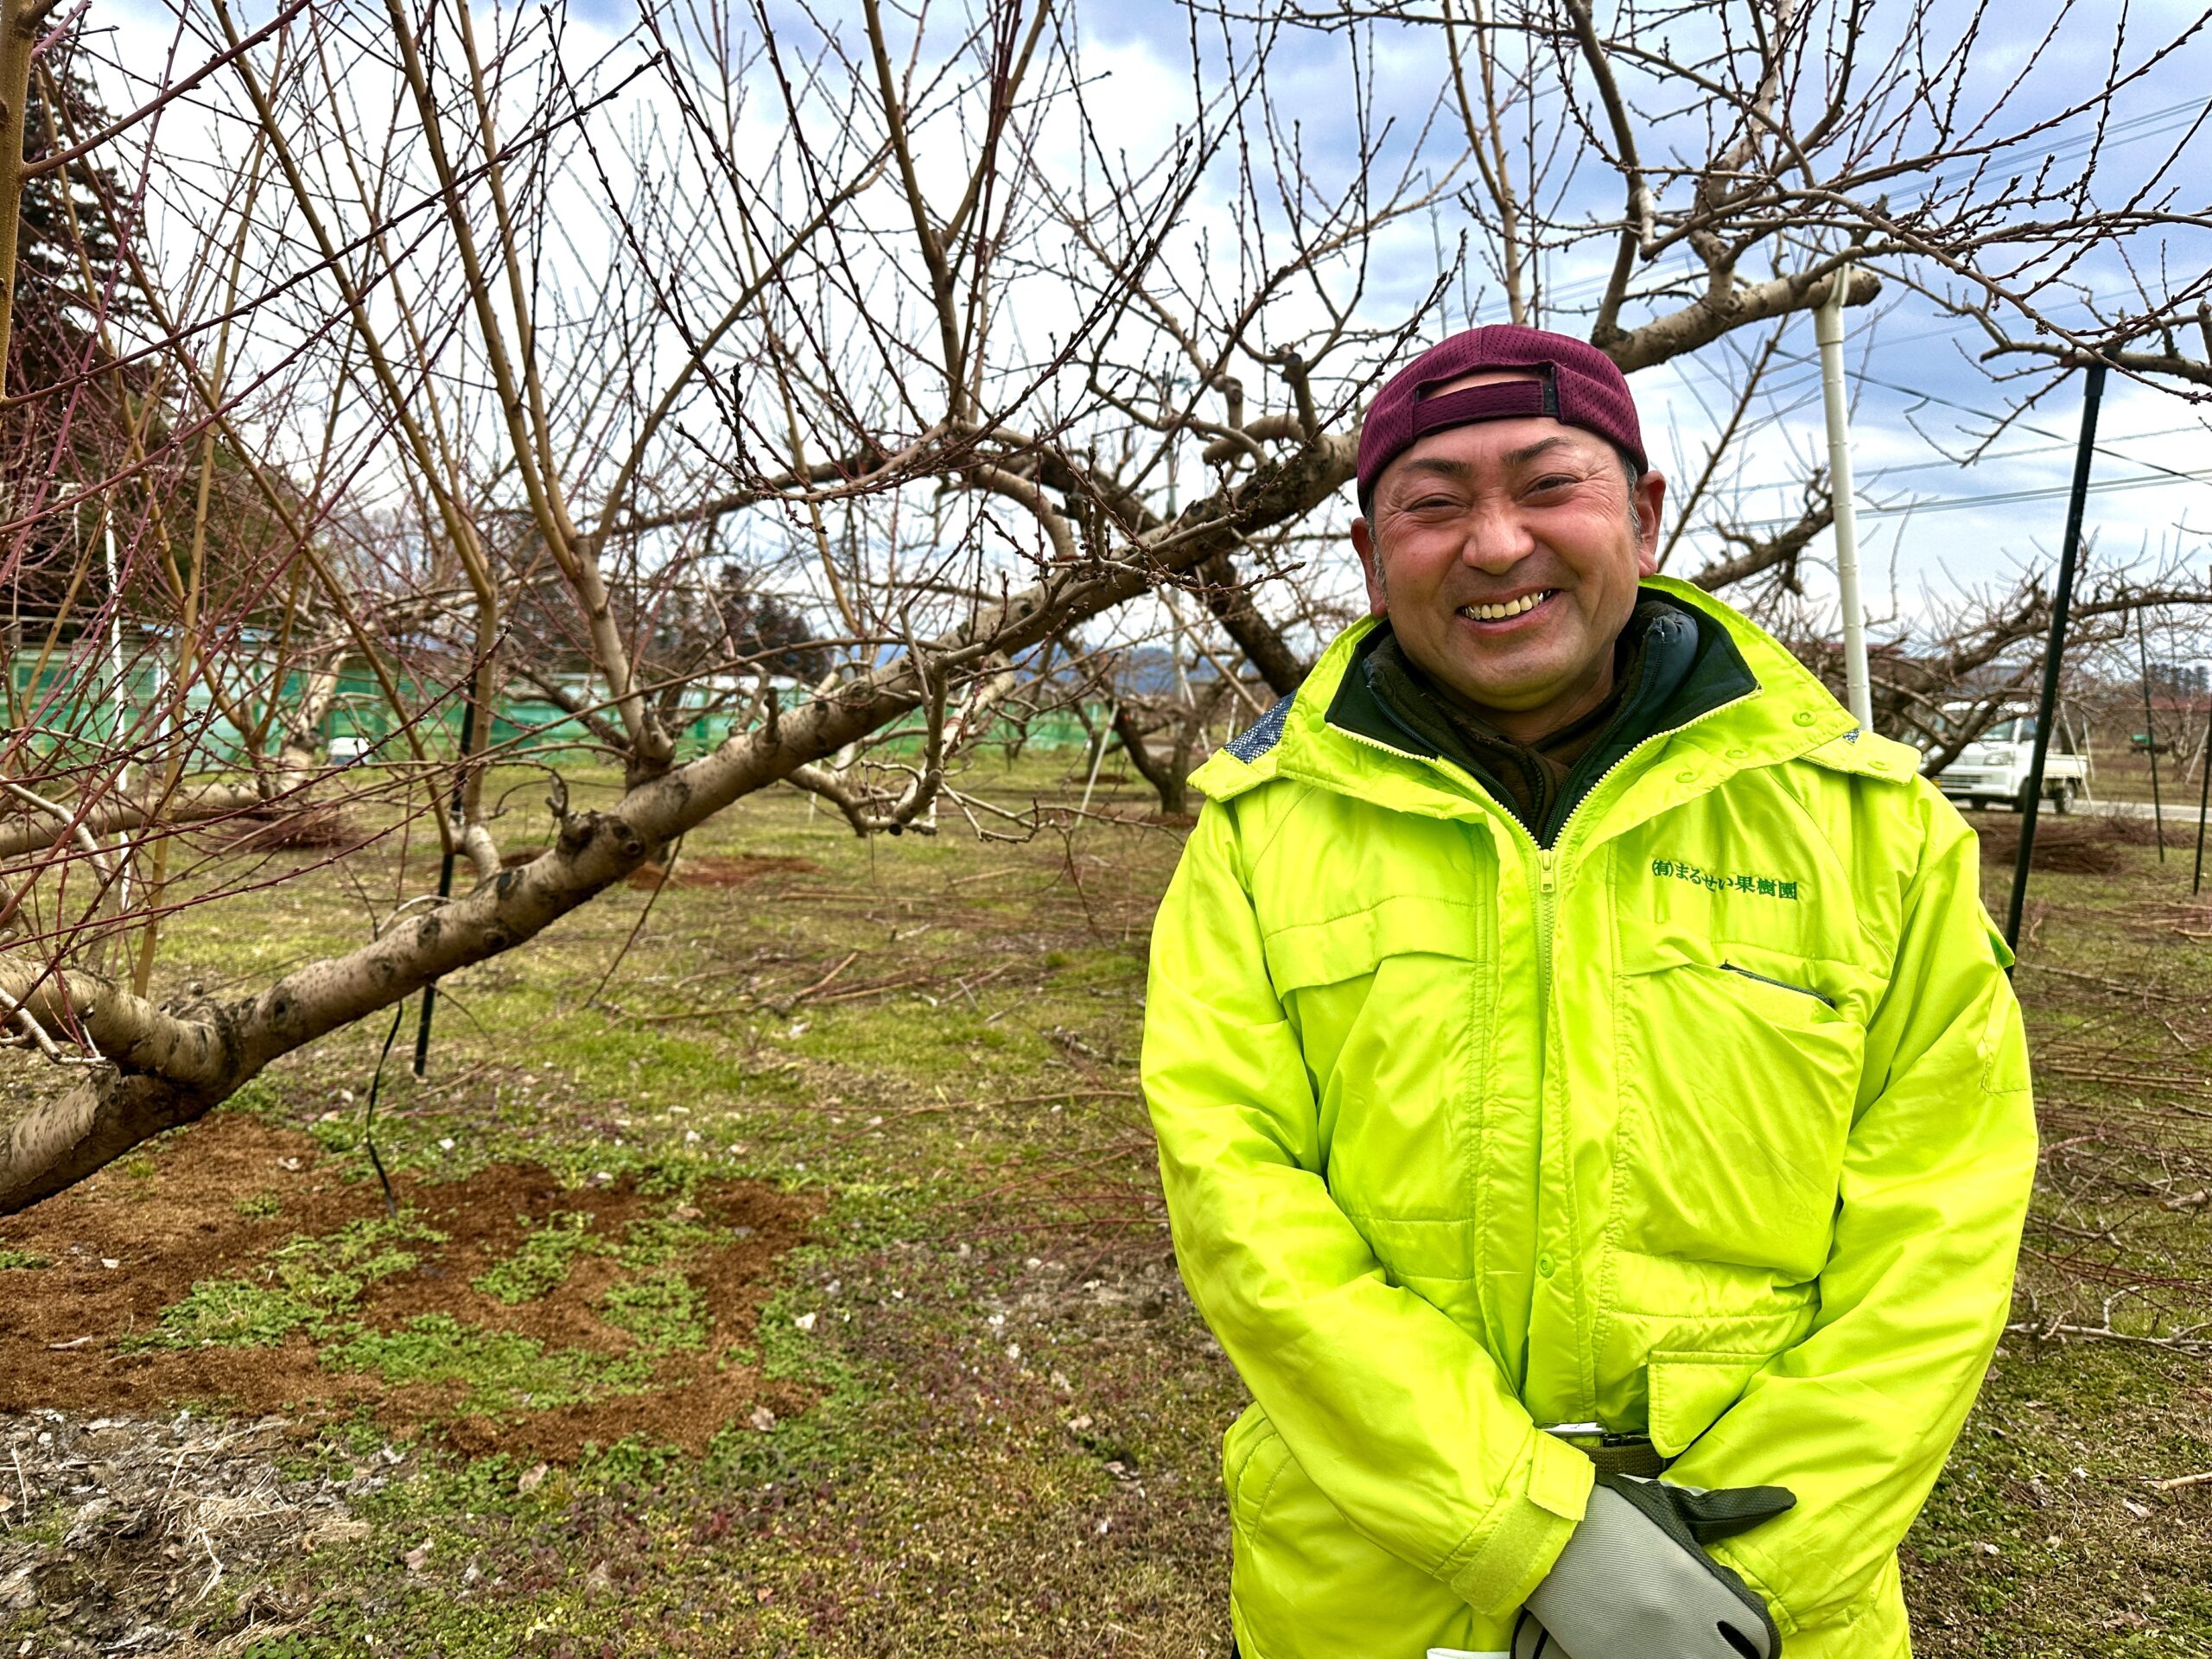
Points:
x=445 y=871
x=2203 y=800
x=2093 y=393
x=2151 y=731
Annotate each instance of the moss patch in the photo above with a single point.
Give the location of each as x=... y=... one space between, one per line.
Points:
x=492 y=1371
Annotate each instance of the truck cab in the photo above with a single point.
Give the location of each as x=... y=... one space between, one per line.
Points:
x=1993 y=769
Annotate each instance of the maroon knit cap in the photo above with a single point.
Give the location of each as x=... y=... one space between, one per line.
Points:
x=1576 y=384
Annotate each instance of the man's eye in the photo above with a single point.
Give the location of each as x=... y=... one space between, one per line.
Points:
x=1555 y=481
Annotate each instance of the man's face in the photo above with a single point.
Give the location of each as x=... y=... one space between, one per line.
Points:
x=1506 y=554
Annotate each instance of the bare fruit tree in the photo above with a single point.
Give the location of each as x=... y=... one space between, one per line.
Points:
x=809 y=384
x=521 y=353
x=1669 y=179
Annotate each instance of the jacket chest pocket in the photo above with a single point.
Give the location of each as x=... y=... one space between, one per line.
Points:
x=1393 y=1005
x=1738 y=1086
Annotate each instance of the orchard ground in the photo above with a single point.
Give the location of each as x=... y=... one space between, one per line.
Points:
x=778 y=1267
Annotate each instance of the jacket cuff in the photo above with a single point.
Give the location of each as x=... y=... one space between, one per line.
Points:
x=1522 y=1537
x=1750 y=1566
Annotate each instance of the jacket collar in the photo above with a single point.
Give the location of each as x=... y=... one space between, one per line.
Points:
x=1784 y=713
x=1669 y=670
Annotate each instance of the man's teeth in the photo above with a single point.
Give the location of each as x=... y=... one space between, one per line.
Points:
x=1511 y=607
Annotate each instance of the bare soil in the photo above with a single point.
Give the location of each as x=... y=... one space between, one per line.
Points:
x=134 y=1241
x=2070 y=845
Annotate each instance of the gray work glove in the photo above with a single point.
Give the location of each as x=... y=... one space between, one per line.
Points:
x=1634 y=1582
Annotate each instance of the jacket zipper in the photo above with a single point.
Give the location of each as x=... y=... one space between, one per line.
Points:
x=1547 y=865
x=1547 y=877
x=1546 y=857
x=1547 y=897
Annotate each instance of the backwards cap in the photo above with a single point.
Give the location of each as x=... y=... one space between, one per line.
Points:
x=1576 y=384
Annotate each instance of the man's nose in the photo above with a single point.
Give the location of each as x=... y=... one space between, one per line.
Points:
x=1494 y=539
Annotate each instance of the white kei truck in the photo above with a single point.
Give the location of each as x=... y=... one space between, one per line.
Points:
x=1992 y=770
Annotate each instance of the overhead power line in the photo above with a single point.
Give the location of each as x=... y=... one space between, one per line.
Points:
x=2002 y=498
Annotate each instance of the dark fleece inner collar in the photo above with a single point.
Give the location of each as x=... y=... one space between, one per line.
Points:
x=1669 y=668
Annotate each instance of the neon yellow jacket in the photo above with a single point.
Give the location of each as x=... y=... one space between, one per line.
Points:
x=1713 y=1121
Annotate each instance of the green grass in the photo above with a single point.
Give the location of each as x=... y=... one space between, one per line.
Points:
x=541 y=1263
x=973 y=1137
x=662 y=1311
x=309 y=1284
x=492 y=1371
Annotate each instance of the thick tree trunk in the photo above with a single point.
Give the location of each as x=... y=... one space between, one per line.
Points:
x=170 y=1065
x=36 y=830
x=108 y=1112
x=1265 y=649
x=1168 y=774
x=19 y=23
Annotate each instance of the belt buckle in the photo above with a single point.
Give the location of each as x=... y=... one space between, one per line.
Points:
x=1594 y=1434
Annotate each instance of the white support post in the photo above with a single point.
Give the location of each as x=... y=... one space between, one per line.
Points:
x=1828 y=328
x=119 y=693
x=1098 y=754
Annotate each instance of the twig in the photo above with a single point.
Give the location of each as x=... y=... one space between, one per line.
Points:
x=988 y=1106
x=207 y=1543
x=2180 y=1481
x=899 y=984
x=1058 y=1094
x=369 y=1140
x=799 y=997
x=679 y=1015
x=2060 y=1328
x=2086 y=1074
x=2110 y=984
x=897 y=1116
x=667 y=873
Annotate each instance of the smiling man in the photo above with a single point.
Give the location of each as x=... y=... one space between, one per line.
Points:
x=1593 y=1113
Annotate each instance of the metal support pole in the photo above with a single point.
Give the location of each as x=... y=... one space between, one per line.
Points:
x=1827 y=328
x=2203 y=800
x=445 y=866
x=2093 y=393
x=2151 y=732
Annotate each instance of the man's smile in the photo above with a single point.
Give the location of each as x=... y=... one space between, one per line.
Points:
x=1508 y=610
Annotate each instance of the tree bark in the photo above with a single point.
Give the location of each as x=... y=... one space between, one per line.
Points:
x=19 y=22
x=1168 y=775
x=32 y=833
x=1707 y=319
x=1265 y=649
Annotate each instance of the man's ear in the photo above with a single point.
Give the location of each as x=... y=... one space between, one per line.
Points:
x=1370 y=565
x=1650 y=499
